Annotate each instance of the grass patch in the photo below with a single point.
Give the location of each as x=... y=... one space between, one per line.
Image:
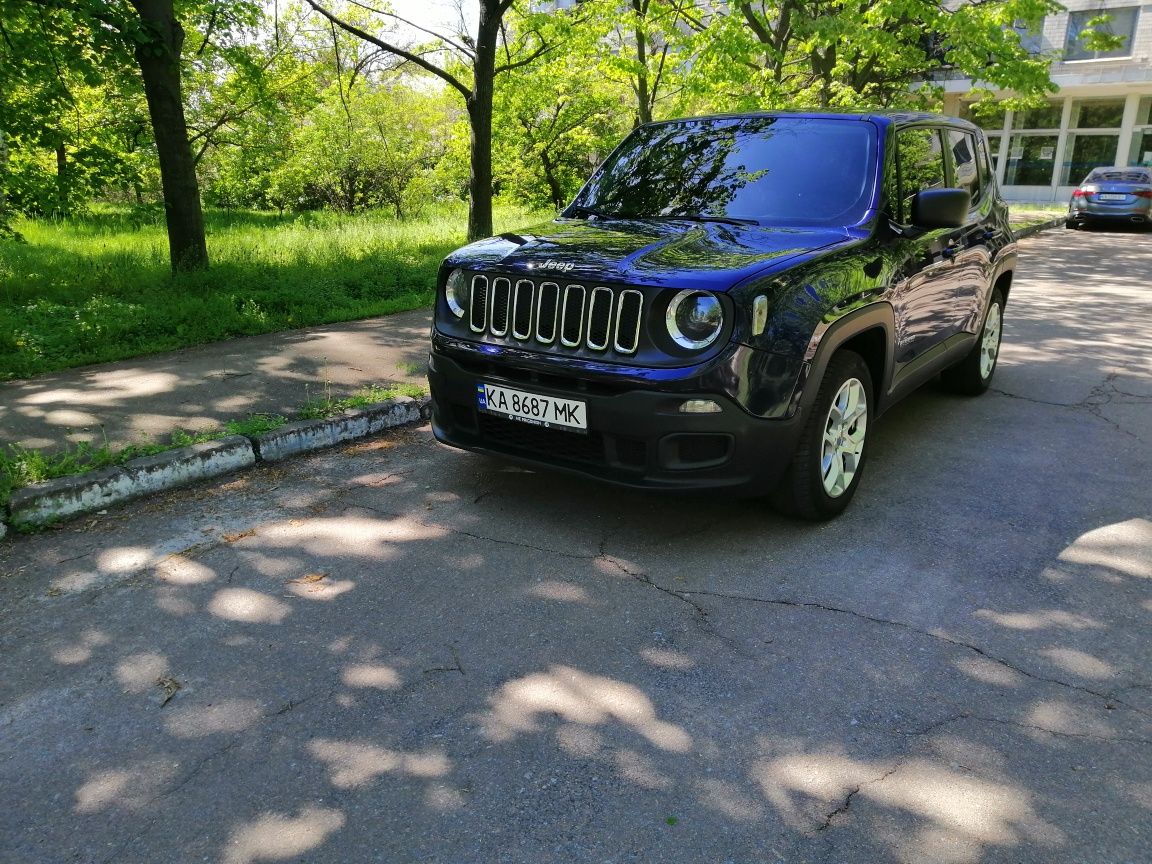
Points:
x=1026 y=214
x=23 y=466
x=327 y=406
x=99 y=288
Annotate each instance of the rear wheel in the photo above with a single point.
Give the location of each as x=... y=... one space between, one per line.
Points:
x=972 y=375
x=829 y=460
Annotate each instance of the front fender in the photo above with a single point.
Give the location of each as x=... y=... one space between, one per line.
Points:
x=829 y=337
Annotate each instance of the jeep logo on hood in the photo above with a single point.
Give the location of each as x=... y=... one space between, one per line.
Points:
x=558 y=266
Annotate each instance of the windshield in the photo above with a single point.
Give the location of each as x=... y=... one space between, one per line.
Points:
x=772 y=170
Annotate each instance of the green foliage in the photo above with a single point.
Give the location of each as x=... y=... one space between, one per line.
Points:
x=554 y=121
x=99 y=288
x=858 y=55
x=364 y=149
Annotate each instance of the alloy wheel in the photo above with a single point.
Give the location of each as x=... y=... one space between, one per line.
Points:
x=990 y=341
x=844 y=431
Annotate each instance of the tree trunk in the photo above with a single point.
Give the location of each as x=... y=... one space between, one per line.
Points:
x=159 y=59
x=7 y=232
x=550 y=177
x=480 y=121
x=61 y=181
x=643 y=98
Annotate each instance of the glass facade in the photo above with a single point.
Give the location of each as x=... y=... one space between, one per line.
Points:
x=1031 y=160
x=1044 y=117
x=1097 y=114
x=1085 y=152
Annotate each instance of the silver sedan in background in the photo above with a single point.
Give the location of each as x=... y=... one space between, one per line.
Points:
x=1117 y=195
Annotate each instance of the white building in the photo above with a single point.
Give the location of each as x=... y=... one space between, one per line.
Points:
x=1102 y=114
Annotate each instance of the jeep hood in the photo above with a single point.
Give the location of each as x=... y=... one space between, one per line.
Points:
x=675 y=252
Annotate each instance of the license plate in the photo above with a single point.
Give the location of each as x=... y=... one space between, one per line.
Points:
x=547 y=411
x=1112 y=196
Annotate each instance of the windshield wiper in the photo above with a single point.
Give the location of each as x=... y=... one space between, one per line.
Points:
x=699 y=217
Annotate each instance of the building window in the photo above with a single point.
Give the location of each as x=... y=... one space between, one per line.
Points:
x=1031 y=36
x=1141 y=152
x=1085 y=150
x=986 y=115
x=1097 y=34
x=1031 y=160
x=1045 y=117
x=1097 y=114
x=1088 y=152
x=995 y=143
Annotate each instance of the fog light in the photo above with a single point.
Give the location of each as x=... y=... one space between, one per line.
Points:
x=699 y=406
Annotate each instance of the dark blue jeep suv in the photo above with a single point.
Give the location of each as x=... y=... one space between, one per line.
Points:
x=731 y=301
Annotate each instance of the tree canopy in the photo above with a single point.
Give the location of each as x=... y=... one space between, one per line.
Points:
x=346 y=105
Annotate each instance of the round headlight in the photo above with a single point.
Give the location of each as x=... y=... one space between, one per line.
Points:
x=694 y=319
x=456 y=292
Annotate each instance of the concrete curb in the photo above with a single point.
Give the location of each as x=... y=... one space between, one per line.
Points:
x=45 y=503
x=308 y=435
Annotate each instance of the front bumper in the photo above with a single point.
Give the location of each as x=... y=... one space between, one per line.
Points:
x=636 y=437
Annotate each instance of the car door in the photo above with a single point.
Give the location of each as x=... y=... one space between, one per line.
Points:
x=923 y=295
x=973 y=256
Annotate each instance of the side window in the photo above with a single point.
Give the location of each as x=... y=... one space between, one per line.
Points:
x=963 y=147
x=921 y=165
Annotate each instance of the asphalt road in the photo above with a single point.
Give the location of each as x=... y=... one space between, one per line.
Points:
x=396 y=652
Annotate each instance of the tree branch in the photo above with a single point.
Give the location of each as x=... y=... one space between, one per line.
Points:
x=393 y=49
x=463 y=50
x=539 y=52
x=208 y=30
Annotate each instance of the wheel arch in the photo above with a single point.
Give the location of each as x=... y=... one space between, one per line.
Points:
x=869 y=333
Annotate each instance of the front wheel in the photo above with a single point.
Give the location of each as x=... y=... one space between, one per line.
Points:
x=829 y=459
x=972 y=375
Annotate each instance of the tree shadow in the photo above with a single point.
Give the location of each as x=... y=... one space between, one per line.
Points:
x=399 y=652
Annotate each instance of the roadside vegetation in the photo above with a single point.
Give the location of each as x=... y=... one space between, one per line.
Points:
x=1027 y=214
x=98 y=287
x=25 y=466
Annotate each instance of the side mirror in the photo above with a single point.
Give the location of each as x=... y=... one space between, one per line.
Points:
x=941 y=208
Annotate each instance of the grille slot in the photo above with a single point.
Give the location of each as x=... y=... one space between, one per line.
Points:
x=598 y=318
x=572 y=325
x=522 y=301
x=550 y=442
x=500 y=301
x=547 y=313
x=628 y=309
x=478 y=305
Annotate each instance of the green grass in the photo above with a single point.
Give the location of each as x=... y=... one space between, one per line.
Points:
x=327 y=406
x=99 y=288
x=1025 y=214
x=23 y=466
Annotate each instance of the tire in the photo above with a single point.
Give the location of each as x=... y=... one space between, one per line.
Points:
x=973 y=375
x=1069 y=224
x=826 y=468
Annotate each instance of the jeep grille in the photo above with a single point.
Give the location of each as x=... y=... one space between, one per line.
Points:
x=550 y=313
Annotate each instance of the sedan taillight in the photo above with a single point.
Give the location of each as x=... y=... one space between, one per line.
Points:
x=1079 y=193
x=1143 y=193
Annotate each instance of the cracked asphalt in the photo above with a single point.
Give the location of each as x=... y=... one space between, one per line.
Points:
x=395 y=652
